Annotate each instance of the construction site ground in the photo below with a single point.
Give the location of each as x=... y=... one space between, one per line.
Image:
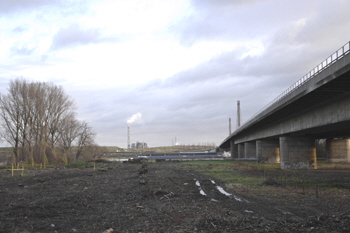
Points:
x=174 y=197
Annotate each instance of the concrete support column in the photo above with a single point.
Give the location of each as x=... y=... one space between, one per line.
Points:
x=338 y=150
x=268 y=151
x=234 y=150
x=298 y=153
x=241 y=150
x=250 y=149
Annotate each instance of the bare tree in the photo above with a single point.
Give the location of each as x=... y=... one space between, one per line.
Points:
x=37 y=118
x=85 y=138
x=68 y=132
x=10 y=113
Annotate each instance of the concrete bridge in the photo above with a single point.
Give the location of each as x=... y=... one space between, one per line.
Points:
x=315 y=107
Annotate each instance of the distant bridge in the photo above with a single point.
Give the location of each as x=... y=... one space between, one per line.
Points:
x=315 y=107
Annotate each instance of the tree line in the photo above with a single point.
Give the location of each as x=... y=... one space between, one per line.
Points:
x=38 y=120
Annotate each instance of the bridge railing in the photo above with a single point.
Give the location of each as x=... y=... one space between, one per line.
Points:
x=322 y=66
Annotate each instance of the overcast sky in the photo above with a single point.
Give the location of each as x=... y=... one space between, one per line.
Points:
x=181 y=64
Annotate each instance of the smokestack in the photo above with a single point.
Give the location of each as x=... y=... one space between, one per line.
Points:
x=238 y=114
x=229 y=126
x=134 y=118
x=128 y=136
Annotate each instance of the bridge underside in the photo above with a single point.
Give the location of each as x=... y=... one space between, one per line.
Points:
x=286 y=132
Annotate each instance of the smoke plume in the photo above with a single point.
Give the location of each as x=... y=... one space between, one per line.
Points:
x=134 y=118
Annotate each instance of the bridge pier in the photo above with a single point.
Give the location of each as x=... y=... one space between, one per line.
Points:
x=250 y=149
x=298 y=153
x=234 y=150
x=268 y=150
x=338 y=150
x=241 y=150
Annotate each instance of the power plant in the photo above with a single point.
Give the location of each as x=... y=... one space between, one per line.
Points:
x=137 y=145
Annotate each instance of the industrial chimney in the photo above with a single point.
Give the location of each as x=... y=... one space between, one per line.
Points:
x=128 y=136
x=238 y=114
x=229 y=126
x=134 y=118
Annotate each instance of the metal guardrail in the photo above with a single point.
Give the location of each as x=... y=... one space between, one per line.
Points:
x=322 y=66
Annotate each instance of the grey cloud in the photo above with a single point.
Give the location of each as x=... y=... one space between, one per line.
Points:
x=229 y=66
x=235 y=20
x=327 y=27
x=7 y=7
x=218 y=69
x=201 y=97
x=219 y=3
x=13 y=6
x=74 y=35
x=19 y=29
x=21 y=49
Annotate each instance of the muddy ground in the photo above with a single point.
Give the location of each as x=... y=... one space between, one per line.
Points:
x=165 y=197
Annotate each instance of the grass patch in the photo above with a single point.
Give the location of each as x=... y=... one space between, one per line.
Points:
x=257 y=174
x=226 y=171
x=334 y=166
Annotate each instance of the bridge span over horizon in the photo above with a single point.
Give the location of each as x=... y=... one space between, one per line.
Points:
x=315 y=107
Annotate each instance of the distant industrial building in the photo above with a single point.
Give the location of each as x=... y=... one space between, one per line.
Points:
x=139 y=145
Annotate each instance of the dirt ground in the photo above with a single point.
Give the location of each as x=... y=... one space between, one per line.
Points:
x=165 y=197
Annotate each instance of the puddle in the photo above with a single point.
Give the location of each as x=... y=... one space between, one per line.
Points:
x=221 y=190
x=200 y=188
